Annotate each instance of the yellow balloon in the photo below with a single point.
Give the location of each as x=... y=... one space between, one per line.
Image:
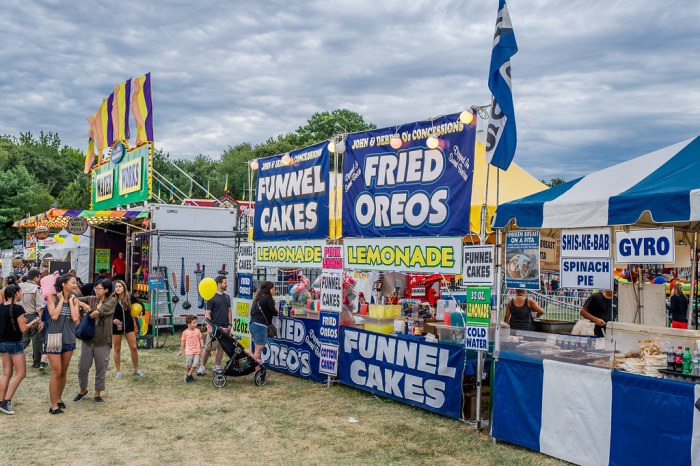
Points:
x=136 y=309
x=57 y=238
x=207 y=288
x=61 y=239
x=76 y=238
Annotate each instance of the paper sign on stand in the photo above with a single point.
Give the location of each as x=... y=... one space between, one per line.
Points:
x=246 y=258
x=329 y=359
x=245 y=286
x=585 y=261
x=523 y=259
x=477 y=265
x=648 y=246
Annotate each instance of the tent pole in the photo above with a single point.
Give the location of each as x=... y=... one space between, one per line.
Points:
x=693 y=278
x=484 y=208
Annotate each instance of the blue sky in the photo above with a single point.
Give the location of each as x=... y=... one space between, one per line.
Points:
x=595 y=82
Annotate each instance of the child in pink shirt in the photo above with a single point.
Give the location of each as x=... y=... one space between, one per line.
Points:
x=192 y=345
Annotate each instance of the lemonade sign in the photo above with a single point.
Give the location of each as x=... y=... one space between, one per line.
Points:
x=478 y=305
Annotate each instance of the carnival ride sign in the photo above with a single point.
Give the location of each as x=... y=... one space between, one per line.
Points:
x=413 y=190
x=126 y=182
x=293 y=195
x=77 y=226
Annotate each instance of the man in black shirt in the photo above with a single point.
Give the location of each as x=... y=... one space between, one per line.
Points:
x=218 y=311
x=598 y=308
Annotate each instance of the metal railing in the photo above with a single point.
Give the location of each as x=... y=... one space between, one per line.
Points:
x=562 y=305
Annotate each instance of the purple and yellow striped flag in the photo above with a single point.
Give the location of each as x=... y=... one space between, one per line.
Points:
x=142 y=108
x=90 y=155
x=99 y=126
x=119 y=111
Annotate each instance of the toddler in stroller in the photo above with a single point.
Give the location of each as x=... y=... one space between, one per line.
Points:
x=239 y=364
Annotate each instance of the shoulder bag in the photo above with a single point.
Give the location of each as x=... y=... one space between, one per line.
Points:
x=86 y=328
x=54 y=340
x=271 y=329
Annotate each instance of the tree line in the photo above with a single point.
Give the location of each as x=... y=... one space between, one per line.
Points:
x=38 y=172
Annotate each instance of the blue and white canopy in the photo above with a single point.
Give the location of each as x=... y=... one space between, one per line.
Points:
x=666 y=183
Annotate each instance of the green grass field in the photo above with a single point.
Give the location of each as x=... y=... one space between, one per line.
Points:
x=160 y=420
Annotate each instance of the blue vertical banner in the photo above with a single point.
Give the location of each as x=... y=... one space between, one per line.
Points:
x=501 y=135
x=296 y=350
x=245 y=285
x=426 y=375
x=293 y=195
x=523 y=259
x=329 y=325
x=398 y=183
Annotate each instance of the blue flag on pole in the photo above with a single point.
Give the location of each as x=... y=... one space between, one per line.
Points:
x=501 y=137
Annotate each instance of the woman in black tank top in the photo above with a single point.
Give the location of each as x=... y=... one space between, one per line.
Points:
x=519 y=311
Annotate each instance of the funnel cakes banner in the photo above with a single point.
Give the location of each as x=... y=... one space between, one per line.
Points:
x=292 y=195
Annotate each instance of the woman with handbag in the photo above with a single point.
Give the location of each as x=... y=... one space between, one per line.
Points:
x=59 y=341
x=12 y=325
x=261 y=313
x=519 y=311
x=97 y=348
x=123 y=324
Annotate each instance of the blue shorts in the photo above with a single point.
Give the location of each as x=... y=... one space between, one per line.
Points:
x=259 y=333
x=13 y=348
x=64 y=349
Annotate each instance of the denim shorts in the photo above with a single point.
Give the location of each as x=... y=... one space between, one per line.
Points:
x=13 y=348
x=64 y=349
x=259 y=333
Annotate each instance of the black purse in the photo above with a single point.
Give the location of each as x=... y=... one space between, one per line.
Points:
x=271 y=329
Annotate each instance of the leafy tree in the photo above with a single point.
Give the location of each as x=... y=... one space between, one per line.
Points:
x=76 y=195
x=234 y=163
x=553 y=182
x=325 y=125
x=20 y=195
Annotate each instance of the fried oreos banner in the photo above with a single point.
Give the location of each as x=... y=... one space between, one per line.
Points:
x=292 y=195
x=425 y=375
x=412 y=190
x=296 y=350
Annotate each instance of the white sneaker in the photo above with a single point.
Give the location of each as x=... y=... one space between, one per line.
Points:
x=217 y=369
x=118 y=375
x=201 y=370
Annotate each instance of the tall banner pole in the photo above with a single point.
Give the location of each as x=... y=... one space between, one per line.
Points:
x=484 y=207
x=694 y=278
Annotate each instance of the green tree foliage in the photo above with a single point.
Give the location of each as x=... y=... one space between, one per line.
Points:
x=76 y=195
x=20 y=194
x=553 y=182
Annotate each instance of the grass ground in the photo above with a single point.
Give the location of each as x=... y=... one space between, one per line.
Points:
x=158 y=419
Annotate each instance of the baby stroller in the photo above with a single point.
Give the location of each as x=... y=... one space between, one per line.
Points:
x=239 y=364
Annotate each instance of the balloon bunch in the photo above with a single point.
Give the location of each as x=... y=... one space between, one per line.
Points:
x=349 y=294
x=300 y=291
x=316 y=288
x=47 y=285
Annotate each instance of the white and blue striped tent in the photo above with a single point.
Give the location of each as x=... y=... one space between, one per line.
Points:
x=659 y=187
